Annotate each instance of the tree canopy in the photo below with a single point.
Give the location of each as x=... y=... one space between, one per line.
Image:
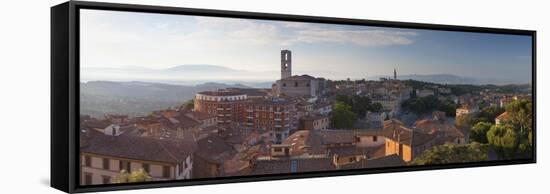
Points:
x=503 y=138
x=138 y=175
x=479 y=132
x=359 y=104
x=189 y=105
x=514 y=138
x=452 y=153
x=428 y=104
x=342 y=116
x=488 y=114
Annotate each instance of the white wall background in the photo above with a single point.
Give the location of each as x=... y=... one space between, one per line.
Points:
x=25 y=96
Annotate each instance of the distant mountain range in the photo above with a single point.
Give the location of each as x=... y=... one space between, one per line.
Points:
x=182 y=74
x=201 y=69
x=194 y=74
x=450 y=79
x=137 y=98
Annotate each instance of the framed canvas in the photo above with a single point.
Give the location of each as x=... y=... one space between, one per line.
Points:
x=150 y=96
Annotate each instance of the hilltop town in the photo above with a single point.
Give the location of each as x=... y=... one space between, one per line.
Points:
x=302 y=123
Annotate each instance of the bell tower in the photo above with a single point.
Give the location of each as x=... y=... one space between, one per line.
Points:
x=286 y=64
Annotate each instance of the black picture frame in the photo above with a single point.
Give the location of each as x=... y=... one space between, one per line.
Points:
x=65 y=90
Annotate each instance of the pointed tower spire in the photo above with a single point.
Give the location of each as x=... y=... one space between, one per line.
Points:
x=394 y=74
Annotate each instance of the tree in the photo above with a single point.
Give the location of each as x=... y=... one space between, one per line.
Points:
x=464 y=121
x=489 y=114
x=359 y=104
x=342 y=116
x=452 y=153
x=422 y=105
x=479 y=132
x=375 y=107
x=503 y=139
x=514 y=138
x=521 y=115
x=189 y=105
x=139 y=175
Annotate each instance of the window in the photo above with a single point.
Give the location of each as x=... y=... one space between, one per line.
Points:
x=166 y=171
x=293 y=166
x=124 y=165
x=295 y=84
x=277 y=149
x=351 y=159
x=106 y=179
x=375 y=138
x=146 y=167
x=284 y=84
x=87 y=161
x=87 y=178
x=106 y=163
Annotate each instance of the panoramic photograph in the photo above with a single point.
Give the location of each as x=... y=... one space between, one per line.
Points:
x=167 y=97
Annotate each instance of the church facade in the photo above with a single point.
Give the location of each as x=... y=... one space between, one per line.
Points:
x=295 y=85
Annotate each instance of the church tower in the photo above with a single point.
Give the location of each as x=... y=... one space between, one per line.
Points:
x=286 y=64
x=394 y=74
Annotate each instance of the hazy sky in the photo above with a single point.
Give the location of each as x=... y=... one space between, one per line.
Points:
x=112 y=39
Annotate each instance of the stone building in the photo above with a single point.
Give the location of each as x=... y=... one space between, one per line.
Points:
x=295 y=85
x=228 y=106
x=277 y=115
x=103 y=157
x=314 y=122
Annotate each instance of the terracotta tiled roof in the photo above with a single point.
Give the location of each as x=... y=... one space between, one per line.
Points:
x=214 y=149
x=199 y=115
x=305 y=142
x=437 y=126
x=336 y=136
x=185 y=122
x=504 y=116
x=396 y=131
x=139 y=148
